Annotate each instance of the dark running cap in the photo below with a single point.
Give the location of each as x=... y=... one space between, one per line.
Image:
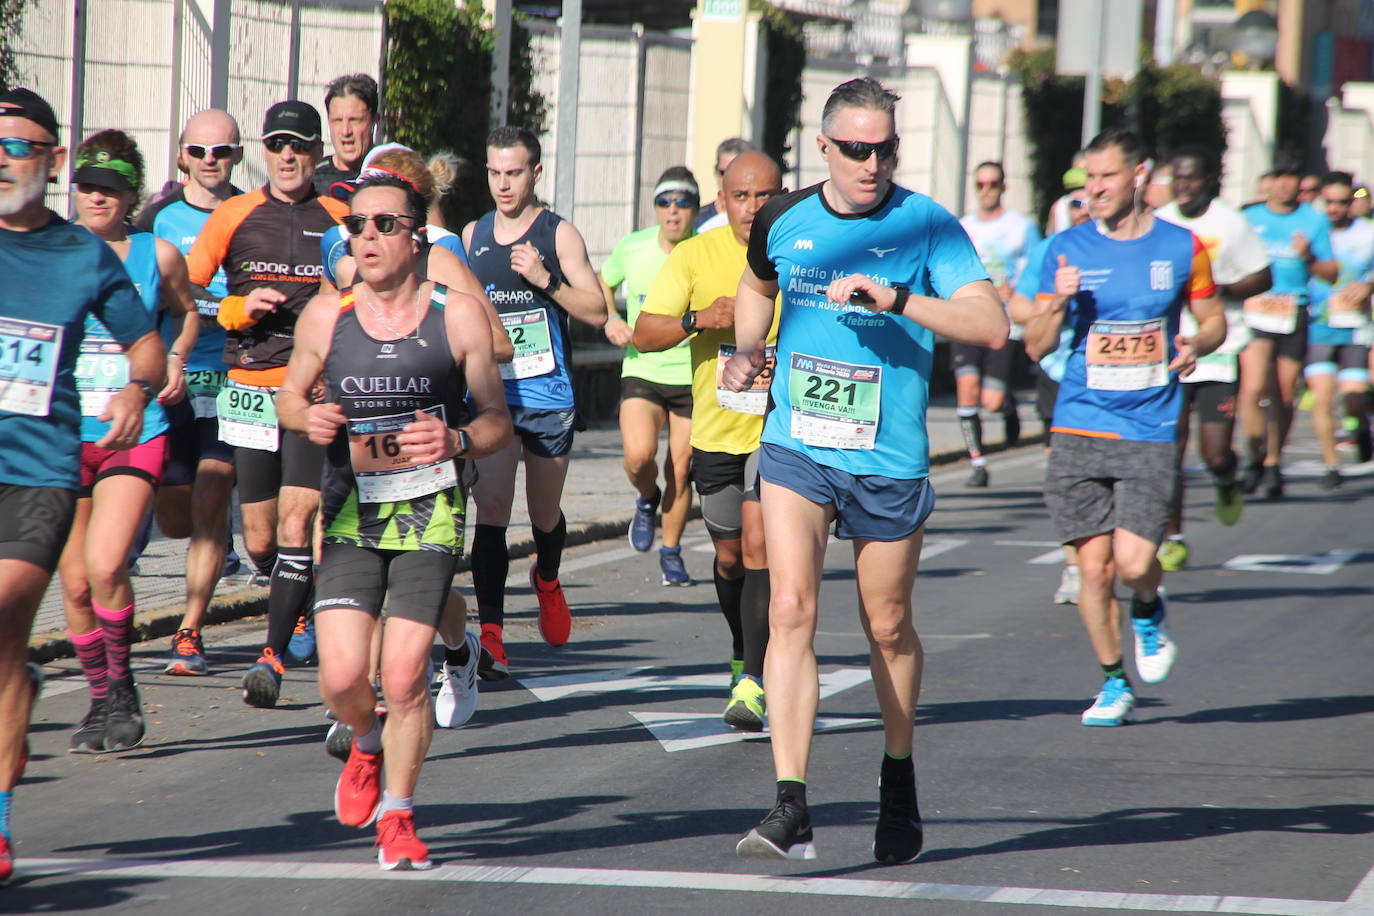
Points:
x=292 y=118
x=25 y=103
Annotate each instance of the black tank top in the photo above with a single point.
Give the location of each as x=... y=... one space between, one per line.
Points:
x=379 y=384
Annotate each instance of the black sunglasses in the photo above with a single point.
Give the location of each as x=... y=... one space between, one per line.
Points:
x=219 y=151
x=277 y=144
x=859 y=151
x=386 y=223
x=19 y=148
x=681 y=201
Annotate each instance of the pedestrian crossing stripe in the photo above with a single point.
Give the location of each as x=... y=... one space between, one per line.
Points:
x=1322 y=564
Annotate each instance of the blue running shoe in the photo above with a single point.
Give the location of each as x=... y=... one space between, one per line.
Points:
x=670 y=561
x=301 y=648
x=642 y=525
x=1115 y=705
x=1155 y=649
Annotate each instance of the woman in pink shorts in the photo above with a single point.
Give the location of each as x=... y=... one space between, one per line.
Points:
x=117 y=482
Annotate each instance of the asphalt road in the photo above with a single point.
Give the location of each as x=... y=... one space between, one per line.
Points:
x=600 y=780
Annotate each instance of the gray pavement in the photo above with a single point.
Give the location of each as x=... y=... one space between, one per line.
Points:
x=597 y=502
x=599 y=778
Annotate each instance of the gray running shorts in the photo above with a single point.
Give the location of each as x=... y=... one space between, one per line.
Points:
x=1093 y=486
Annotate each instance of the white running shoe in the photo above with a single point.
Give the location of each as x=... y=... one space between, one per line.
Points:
x=1155 y=649
x=457 y=699
x=1115 y=705
x=1067 y=593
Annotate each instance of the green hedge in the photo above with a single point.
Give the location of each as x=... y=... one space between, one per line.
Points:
x=437 y=90
x=11 y=19
x=1169 y=107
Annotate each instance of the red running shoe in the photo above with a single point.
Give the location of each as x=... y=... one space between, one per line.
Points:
x=397 y=844
x=555 y=620
x=492 y=664
x=7 y=860
x=358 y=792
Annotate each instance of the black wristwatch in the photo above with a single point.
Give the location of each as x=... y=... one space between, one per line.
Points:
x=149 y=392
x=689 y=322
x=903 y=293
x=555 y=281
x=464 y=443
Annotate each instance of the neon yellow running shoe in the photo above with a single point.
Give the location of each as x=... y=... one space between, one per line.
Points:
x=736 y=669
x=745 y=710
x=1173 y=554
x=1229 y=505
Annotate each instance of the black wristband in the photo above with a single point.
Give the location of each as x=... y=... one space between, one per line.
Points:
x=149 y=391
x=903 y=293
x=555 y=281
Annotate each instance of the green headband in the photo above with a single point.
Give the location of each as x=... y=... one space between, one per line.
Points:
x=101 y=159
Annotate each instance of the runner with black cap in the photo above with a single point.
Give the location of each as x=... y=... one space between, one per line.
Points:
x=267 y=241
x=40 y=413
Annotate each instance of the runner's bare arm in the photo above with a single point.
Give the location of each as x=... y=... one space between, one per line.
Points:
x=447 y=268
x=1041 y=332
x=314 y=330
x=489 y=428
x=616 y=329
x=1211 y=332
x=581 y=295
x=753 y=316
x=175 y=289
x=147 y=362
x=1249 y=285
x=973 y=315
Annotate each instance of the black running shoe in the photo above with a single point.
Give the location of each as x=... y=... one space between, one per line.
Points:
x=338 y=742
x=124 y=727
x=899 y=836
x=1364 y=444
x=1250 y=480
x=979 y=478
x=1273 y=482
x=1012 y=427
x=89 y=737
x=784 y=834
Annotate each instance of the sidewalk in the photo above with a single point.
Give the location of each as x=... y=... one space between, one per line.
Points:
x=597 y=501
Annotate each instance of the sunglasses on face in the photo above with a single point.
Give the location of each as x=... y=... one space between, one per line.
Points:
x=1339 y=201
x=19 y=148
x=277 y=144
x=220 y=151
x=859 y=151
x=681 y=201
x=386 y=223
x=1075 y=203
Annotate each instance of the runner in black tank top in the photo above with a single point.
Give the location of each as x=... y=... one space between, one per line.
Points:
x=533 y=265
x=397 y=356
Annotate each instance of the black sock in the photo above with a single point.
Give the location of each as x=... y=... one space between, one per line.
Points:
x=548 y=549
x=264 y=564
x=292 y=580
x=490 y=567
x=729 y=593
x=457 y=658
x=972 y=428
x=897 y=770
x=1116 y=669
x=1144 y=610
x=793 y=789
x=753 y=615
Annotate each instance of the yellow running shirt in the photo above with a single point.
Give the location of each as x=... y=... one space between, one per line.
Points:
x=697 y=272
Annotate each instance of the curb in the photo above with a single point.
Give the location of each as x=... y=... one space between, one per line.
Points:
x=161 y=622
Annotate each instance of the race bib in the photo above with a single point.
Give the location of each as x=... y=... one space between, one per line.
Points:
x=29 y=352
x=102 y=371
x=247 y=416
x=753 y=400
x=1344 y=311
x=1214 y=367
x=1127 y=355
x=383 y=472
x=203 y=388
x=834 y=404
x=529 y=335
x=1272 y=313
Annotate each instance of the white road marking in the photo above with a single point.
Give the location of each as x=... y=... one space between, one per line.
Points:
x=1322 y=564
x=550 y=876
x=1048 y=558
x=557 y=686
x=1026 y=543
x=688 y=731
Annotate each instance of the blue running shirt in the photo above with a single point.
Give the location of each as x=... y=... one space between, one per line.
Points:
x=851 y=386
x=1353 y=247
x=103 y=368
x=1116 y=383
x=67 y=274
x=1276 y=231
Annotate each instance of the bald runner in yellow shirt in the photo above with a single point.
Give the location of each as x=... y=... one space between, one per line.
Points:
x=694 y=296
